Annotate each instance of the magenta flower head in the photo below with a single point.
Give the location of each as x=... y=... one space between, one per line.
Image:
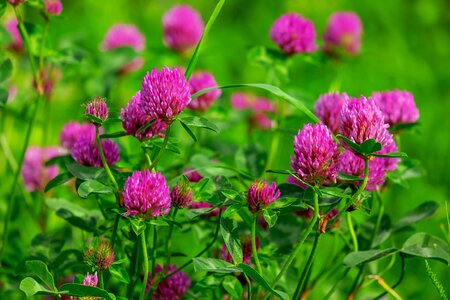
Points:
x=343 y=32
x=16 y=44
x=100 y=256
x=15 y=2
x=361 y=120
x=390 y=164
x=73 y=131
x=293 y=34
x=91 y=280
x=397 y=106
x=316 y=155
x=97 y=107
x=260 y=195
x=35 y=174
x=133 y=117
x=146 y=194
x=181 y=194
x=200 y=81
x=182 y=28
x=53 y=7
x=328 y=109
x=192 y=175
x=172 y=288
x=165 y=93
x=350 y=163
x=85 y=152
x=123 y=35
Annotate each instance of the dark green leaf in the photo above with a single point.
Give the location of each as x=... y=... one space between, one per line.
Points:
x=158 y=222
x=348 y=177
x=355 y=147
x=188 y=130
x=2 y=7
x=368 y=145
x=3 y=96
x=392 y=154
x=290 y=191
x=40 y=270
x=113 y=135
x=79 y=290
x=270 y=216
x=93 y=187
x=83 y=172
x=138 y=226
x=146 y=125
x=229 y=234
x=214 y=265
x=361 y=257
x=283 y=172
x=250 y=272
x=5 y=68
x=200 y=122
x=94 y=119
x=119 y=273
x=402 y=126
x=427 y=246
x=231 y=210
x=423 y=211
x=58 y=180
x=31 y=287
x=232 y=285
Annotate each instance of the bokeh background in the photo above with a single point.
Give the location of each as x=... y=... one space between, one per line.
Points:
x=406 y=45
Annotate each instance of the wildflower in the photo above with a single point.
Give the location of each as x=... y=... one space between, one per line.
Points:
x=398 y=107
x=146 y=194
x=343 y=32
x=293 y=34
x=192 y=175
x=316 y=154
x=259 y=107
x=91 y=280
x=182 y=28
x=181 y=194
x=123 y=35
x=73 y=131
x=100 y=257
x=53 y=7
x=133 y=118
x=164 y=94
x=172 y=288
x=260 y=195
x=16 y=44
x=35 y=174
x=328 y=109
x=97 y=107
x=200 y=81
x=85 y=152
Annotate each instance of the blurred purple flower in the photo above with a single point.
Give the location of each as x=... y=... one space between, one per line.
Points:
x=204 y=204
x=91 y=280
x=200 y=81
x=182 y=28
x=258 y=105
x=192 y=175
x=328 y=109
x=316 y=155
x=15 y=2
x=73 y=131
x=164 y=94
x=293 y=34
x=123 y=35
x=146 y=194
x=16 y=44
x=53 y=7
x=397 y=106
x=133 y=118
x=35 y=174
x=260 y=195
x=85 y=152
x=172 y=288
x=49 y=76
x=343 y=32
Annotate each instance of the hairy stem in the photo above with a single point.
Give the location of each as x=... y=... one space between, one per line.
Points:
x=254 y=250
x=144 y=266
x=105 y=164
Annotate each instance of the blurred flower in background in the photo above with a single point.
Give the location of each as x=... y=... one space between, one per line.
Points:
x=343 y=33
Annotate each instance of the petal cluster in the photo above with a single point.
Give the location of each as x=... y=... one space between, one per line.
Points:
x=397 y=106
x=146 y=194
x=328 y=109
x=91 y=280
x=16 y=44
x=293 y=34
x=85 y=152
x=181 y=194
x=260 y=195
x=123 y=35
x=343 y=32
x=73 y=131
x=53 y=7
x=35 y=174
x=172 y=288
x=200 y=81
x=98 y=108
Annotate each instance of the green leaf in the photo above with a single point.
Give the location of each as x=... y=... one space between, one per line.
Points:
x=113 y=135
x=271 y=217
x=348 y=177
x=402 y=126
x=93 y=187
x=354 y=146
x=290 y=191
x=94 y=119
x=231 y=210
x=200 y=122
x=250 y=272
x=4 y=94
x=158 y=222
x=146 y=125
x=31 y=287
x=189 y=131
x=423 y=211
x=193 y=61
x=138 y=226
x=119 y=273
x=2 y=7
x=392 y=154
x=58 y=180
x=229 y=233
x=83 y=172
x=79 y=290
x=214 y=265
x=354 y=259
x=370 y=146
x=193 y=213
x=5 y=68
x=232 y=285
x=427 y=246
x=282 y=172
x=40 y=270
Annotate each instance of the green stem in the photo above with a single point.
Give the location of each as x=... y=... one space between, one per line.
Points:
x=105 y=164
x=363 y=184
x=333 y=289
x=216 y=233
x=379 y=218
x=100 y=280
x=249 y=287
x=132 y=270
x=154 y=244
x=302 y=282
x=302 y=240
x=169 y=239
x=254 y=250
x=352 y=232
x=114 y=232
x=144 y=266
x=44 y=36
x=163 y=147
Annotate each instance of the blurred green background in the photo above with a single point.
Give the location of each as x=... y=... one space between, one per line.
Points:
x=406 y=45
